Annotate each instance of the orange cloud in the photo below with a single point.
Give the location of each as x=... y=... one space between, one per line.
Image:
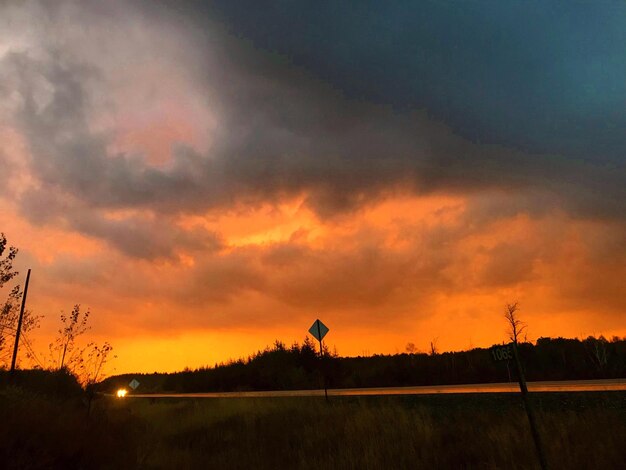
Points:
x=405 y=269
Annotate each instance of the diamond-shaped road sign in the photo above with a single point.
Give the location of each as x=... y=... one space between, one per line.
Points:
x=133 y=384
x=318 y=330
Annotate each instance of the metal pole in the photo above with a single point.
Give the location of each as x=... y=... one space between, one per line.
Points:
x=529 y=411
x=319 y=335
x=19 y=324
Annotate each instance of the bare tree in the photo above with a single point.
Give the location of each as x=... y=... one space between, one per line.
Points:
x=516 y=326
x=411 y=348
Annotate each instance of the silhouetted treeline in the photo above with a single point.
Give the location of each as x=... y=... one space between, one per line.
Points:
x=52 y=384
x=300 y=367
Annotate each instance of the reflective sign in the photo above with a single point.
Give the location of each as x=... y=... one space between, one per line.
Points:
x=318 y=330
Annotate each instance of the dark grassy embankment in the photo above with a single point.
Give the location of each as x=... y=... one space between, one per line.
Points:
x=39 y=430
x=464 y=431
x=46 y=423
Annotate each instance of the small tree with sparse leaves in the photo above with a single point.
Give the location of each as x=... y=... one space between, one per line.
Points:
x=64 y=351
x=6 y=261
x=10 y=309
x=92 y=368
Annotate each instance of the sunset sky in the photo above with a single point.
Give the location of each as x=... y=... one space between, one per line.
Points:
x=207 y=177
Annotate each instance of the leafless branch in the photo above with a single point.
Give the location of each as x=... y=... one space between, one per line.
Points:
x=516 y=326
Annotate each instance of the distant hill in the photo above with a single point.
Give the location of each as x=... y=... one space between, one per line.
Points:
x=299 y=367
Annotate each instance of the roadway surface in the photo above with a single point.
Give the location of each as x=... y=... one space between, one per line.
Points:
x=506 y=387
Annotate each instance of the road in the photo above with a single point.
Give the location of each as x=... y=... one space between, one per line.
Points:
x=507 y=387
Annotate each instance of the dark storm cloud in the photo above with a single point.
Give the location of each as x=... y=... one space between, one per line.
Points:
x=327 y=124
x=544 y=76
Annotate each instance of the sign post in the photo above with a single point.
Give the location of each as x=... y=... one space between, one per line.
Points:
x=509 y=352
x=319 y=330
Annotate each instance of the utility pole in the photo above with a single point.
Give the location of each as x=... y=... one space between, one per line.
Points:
x=19 y=324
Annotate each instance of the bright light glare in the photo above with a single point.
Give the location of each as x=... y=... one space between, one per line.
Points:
x=121 y=393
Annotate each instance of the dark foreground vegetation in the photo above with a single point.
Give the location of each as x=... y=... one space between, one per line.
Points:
x=299 y=367
x=48 y=426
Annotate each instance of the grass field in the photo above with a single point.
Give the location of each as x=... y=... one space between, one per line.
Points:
x=471 y=431
x=586 y=430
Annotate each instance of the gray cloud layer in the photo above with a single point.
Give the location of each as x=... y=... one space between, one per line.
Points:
x=280 y=133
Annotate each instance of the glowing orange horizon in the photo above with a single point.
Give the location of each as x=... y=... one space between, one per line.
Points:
x=162 y=315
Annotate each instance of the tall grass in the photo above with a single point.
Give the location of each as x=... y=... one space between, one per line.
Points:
x=372 y=434
x=464 y=431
